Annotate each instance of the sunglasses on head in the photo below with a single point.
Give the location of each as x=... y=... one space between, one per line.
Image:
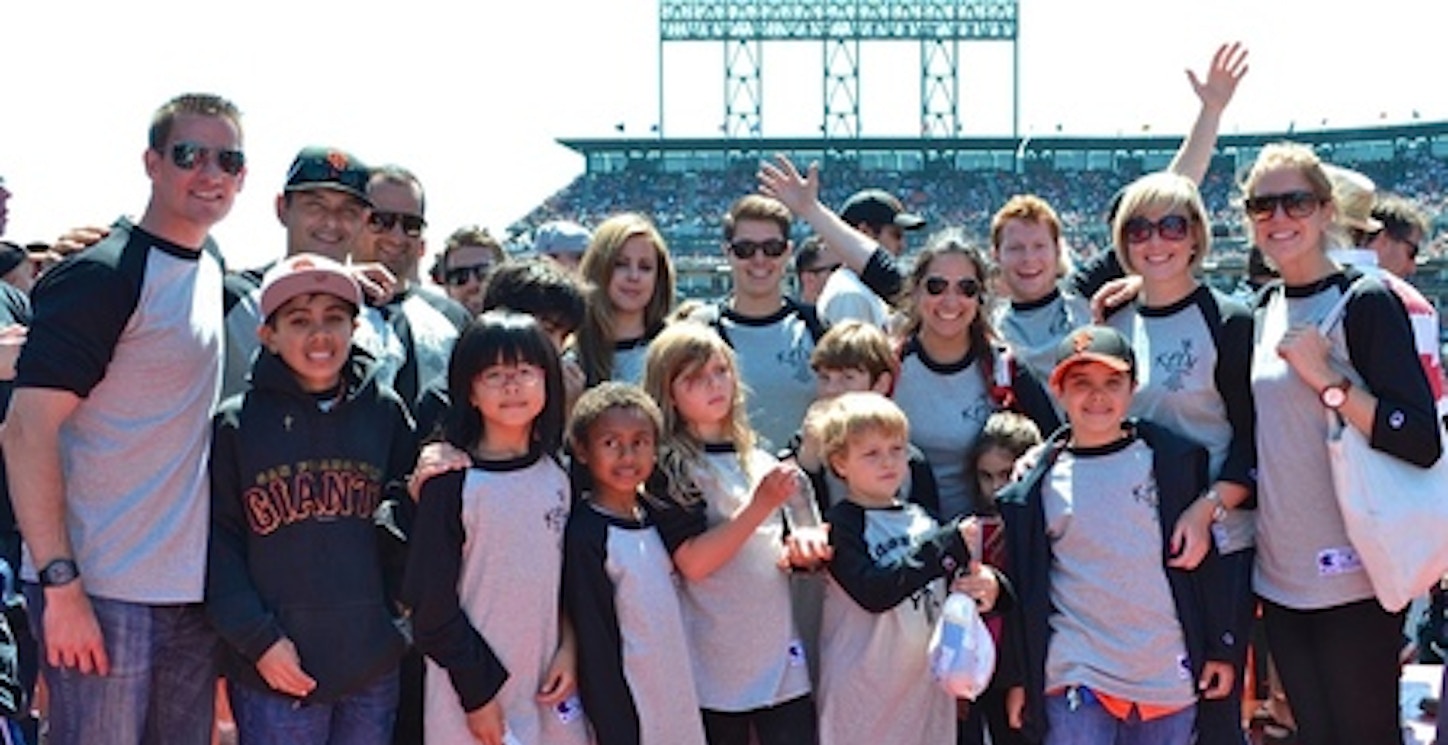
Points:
x=1170 y=228
x=822 y=269
x=460 y=275
x=968 y=286
x=1297 y=204
x=383 y=222
x=773 y=248
x=188 y=156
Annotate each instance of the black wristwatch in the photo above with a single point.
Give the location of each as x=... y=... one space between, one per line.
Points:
x=59 y=572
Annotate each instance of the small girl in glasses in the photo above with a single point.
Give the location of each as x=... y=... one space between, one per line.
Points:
x=952 y=376
x=722 y=506
x=484 y=573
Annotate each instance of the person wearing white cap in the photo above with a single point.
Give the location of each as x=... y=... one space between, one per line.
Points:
x=562 y=241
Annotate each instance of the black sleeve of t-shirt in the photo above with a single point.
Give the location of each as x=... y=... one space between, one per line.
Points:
x=878 y=587
x=881 y=274
x=1234 y=383
x=1095 y=272
x=924 y=491
x=1380 y=346
x=1032 y=400
x=81 y=307
x=430 y=587
x=677 y=522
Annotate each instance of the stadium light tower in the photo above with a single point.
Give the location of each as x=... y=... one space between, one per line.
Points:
x=744 y=26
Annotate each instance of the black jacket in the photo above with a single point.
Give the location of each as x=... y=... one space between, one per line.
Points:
x=1201 y=596
x=295 y=547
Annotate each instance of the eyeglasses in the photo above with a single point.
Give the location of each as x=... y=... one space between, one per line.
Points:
x=1405 y=237
x=1170 y=228
x=460 y=275
x=523 y=376
x=821 y=270
x=1297 y=204
x=188 y=156
x=968 y=286
x=383 y=222
x=745 y=250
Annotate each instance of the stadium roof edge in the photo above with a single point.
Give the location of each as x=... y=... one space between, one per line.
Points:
x=585 y=146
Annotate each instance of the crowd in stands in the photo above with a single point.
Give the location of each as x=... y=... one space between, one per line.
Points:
x=685 y=205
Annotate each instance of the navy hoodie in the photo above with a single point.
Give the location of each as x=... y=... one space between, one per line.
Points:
x=298 y=489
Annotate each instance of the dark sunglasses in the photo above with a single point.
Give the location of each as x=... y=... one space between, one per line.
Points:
x=1405 y=237
x=460 y=275
x=968 y=286
x=383 y=222
x=188 y=156
x=745 y=250
x=1170 y=228
x=1297 y=204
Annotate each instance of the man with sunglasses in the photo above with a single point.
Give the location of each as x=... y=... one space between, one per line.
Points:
x=424 y=321
x=107 y=441
x=771 y=333
x=469 y=255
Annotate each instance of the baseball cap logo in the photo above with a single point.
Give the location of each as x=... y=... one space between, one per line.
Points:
x=1082 y=341
x=337 y=160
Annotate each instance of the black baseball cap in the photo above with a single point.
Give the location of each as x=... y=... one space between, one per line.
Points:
x=877 y=207
x=329 y=168
x=1094 y=344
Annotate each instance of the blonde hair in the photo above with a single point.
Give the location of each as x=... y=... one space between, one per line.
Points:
x=595 y=336
x=680 y=349
x=1301 y=158
x=851 y=415
x=1163 y=191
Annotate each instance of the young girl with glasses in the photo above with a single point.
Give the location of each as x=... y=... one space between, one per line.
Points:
x=483 y=578
x=718 y=507
x=1335 y=647
x=632 y=277
x=1194 y=346
x=952 y=376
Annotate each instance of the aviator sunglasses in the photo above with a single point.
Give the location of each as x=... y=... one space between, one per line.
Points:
x=1297 y=204
x=188 y=156
x=1170 y=228
x=460 y=275
x=745 y=250
x=382 y=222
x=968 y=286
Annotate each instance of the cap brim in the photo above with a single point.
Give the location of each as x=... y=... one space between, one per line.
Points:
x=909 y=221
x=1064 y=366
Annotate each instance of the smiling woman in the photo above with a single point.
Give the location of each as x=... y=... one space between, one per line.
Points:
x=952 y=376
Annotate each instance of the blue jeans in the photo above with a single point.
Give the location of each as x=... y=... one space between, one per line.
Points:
x=1091 y=724
x=269 y=718
x=162 y=684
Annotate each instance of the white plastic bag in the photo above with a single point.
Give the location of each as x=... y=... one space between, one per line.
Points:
x=962 y=655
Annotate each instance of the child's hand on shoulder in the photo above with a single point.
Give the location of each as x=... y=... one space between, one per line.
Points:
x=808 y=547
x=281 y=667
x=435 y=459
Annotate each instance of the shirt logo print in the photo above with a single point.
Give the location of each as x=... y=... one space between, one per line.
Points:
x=1145 y=493
x=1178 y=365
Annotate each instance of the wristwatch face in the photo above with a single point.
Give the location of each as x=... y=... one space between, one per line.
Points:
x=58 y=572
x=1334 y=396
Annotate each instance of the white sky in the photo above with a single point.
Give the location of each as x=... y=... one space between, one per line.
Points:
x=471 y=95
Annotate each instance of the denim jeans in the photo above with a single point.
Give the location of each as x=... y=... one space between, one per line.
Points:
x=1091 y=724
x=161 y=689
x=269 y=718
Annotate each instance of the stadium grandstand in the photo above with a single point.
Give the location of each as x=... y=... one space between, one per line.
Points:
x=685 y=185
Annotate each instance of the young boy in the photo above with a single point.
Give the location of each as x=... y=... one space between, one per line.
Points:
x=855 y=357
x=1110 y=645
x=301 y=466
x=891 y=564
